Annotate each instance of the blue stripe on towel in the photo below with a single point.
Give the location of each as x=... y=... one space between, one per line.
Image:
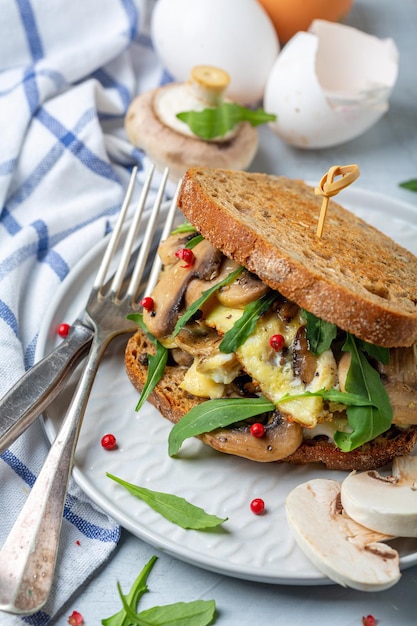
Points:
x=132 y=16
x=31 y=29
x=31 y=89
x=37 y=619
x=18 y=467
x=88 y=529
x=7 y=315
x=110 y=83
x=70 y=140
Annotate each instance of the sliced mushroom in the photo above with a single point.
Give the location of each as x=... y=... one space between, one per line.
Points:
x=287 y=310
x=246 y=288
x=169 y=291
x=198 y=339
x=400 y=381
x=387 y=504
x=281 y=439
x=343 y=550
x=304 y=361
x=171 y=245
x=342 y=370
x=399 y=377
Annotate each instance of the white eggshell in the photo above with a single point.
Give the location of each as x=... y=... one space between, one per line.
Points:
x=235 y=35
x=330 y=85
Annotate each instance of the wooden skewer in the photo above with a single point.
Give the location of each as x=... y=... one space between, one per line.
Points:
x=329 y=187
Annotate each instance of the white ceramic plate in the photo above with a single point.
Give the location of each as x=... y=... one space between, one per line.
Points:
x=250 y=547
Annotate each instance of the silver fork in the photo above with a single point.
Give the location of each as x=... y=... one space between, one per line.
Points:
x=27 y=559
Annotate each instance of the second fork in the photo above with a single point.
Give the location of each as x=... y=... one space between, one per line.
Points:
x=27 y=559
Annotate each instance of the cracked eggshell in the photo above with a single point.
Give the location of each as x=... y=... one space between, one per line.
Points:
x=329 y=85
x=235 y=35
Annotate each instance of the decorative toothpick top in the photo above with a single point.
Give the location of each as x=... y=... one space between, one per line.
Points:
x=329 y=187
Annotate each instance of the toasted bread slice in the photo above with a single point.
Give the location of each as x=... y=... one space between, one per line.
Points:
x=353 y=276
x=173 y=403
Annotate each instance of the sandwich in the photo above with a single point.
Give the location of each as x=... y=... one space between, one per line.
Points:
x=281 y=345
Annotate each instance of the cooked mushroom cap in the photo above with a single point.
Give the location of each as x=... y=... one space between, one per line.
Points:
x=281 y=439
x=343 y=550
x=166 y=147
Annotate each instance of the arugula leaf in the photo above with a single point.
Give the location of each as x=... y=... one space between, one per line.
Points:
x=173 y=508
x=213 y=414
x=320 y=334
x=410 y=184
x=366 y=422
x=244 y=326
x=193 y=308
x=139 y=588
x=194 y=241
x=332 y=395
x=156 y=362
x=186 y=227
x=197 y=613
x=216 y=122
x=378 y=352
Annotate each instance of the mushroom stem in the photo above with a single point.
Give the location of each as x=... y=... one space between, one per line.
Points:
x=209 y=83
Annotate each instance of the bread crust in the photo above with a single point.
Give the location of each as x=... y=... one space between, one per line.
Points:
x=168 y=148
x=173 y=403
x=353 y=276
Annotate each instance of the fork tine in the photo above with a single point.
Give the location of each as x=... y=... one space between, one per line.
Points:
x=157 y=264
x=119 y=275
x=115 y=236
x=147 y=241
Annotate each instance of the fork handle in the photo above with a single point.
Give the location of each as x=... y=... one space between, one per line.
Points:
x=27 y=559
x=36 y=389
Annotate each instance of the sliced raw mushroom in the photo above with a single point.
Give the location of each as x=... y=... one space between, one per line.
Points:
x=169 y=291
x=387 y=504
x=340 y=548
x=281 y=439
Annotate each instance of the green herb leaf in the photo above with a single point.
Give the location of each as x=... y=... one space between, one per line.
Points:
x=194 y=241
x=173 y=508
x=131 y=600
x=366 y=422
x=320 y=334
x=156 y=369
x=192 y=310
x=156 y=362
x=331 y=395
x=377 y=352
x=245 y=325
x=410 y=184
x=186 y=227
x=213 y=414
x=197 y=613
x=218 y=121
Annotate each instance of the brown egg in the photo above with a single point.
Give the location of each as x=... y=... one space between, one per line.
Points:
x=290 y=16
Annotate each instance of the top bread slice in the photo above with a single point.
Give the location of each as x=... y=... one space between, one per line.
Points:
x=353 y=276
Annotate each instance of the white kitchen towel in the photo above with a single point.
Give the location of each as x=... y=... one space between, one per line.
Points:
x=68 y=71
